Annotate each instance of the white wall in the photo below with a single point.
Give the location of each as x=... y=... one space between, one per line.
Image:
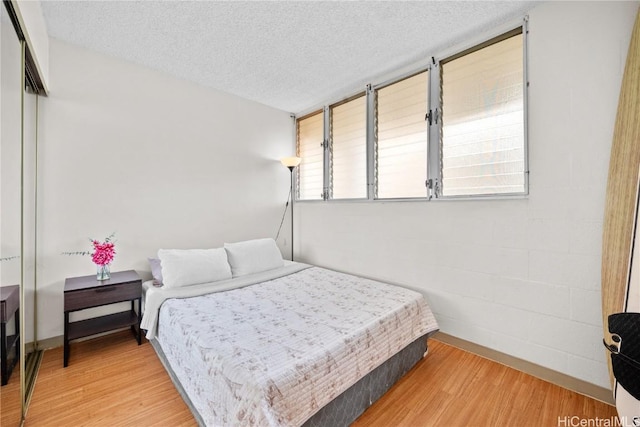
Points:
x=519 y=276
x=163 y=162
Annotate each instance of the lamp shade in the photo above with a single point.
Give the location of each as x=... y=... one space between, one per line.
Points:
x=291 y=162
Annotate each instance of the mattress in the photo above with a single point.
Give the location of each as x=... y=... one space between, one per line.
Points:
x=275 y=352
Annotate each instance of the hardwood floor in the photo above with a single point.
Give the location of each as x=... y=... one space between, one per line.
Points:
x=451 y=387
x=11 y=400
x=111 y=381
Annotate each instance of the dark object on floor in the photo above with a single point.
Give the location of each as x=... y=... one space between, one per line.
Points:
x=625 y=352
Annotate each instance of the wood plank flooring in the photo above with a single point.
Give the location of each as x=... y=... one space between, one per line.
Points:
x=111 y=381
x=10 y=400
x=451 y=387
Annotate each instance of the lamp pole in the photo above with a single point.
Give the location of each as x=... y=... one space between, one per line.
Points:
x=292 y=198
x=291 y=163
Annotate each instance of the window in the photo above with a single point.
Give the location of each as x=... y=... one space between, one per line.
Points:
x=455 y=128
x=310 y=136
x=483 y=121
x=402 y=136
x=349 y=149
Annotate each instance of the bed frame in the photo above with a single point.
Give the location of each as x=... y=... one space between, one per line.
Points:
x=348 y=406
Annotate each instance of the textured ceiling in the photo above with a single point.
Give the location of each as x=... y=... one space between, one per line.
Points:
x=291 y=55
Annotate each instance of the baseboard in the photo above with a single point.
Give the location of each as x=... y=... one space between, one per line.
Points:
x=563 y=380
x=50 y=343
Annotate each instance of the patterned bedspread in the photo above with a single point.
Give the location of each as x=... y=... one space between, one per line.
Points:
x=274 y=353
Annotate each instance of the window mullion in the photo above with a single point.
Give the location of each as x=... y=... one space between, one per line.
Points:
x=525 y=76
x=371 y=144
x=434 y=150
x=326 y=144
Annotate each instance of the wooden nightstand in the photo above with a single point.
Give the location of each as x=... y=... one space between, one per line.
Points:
x=9 y=307
x=86 y=292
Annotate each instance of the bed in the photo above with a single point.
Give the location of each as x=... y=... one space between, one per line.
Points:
x=288 y=346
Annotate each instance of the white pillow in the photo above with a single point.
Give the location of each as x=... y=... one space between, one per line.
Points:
x=253 y=256
x=185 y=267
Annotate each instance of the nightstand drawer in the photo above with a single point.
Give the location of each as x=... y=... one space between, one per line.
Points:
x=93 y=297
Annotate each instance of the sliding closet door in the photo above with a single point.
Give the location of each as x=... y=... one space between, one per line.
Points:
x=30 y=135
x=11 y=86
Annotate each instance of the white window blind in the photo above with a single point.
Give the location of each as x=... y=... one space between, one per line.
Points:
x=483 y=121
x=310 y=132
x=349 y=149
x=402 y=137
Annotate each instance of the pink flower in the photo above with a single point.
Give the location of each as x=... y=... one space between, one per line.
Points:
x=103 y=252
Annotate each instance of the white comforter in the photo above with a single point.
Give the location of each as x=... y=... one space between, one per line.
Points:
x=274 y=353
x=154 y=297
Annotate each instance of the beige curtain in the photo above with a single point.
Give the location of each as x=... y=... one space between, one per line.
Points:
x=622 y=189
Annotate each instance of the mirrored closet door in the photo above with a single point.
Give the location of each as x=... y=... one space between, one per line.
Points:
x=18 y=207
x=29 y=234
x=10 y=209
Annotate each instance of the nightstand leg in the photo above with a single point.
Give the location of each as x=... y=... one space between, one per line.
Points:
x=66 y=339
x=17 y=322
x=139 y=320
x=16 y=359
x=135 y=329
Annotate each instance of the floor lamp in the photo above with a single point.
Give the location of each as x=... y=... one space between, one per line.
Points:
x=291 y=163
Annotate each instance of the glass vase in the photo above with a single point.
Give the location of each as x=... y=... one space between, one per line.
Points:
x=104 y=272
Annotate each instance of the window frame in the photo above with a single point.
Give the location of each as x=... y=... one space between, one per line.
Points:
x=521 y=29
x=374 y=132
x=433 y=181
x=329 y=146
x=296 y=124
